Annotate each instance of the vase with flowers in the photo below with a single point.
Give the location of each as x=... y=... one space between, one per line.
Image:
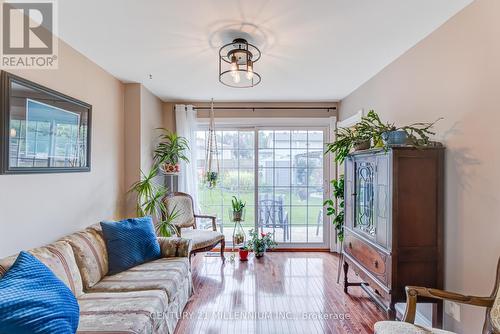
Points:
x=259 y=243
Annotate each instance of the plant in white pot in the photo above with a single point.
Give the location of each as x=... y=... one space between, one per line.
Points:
x=170 y=151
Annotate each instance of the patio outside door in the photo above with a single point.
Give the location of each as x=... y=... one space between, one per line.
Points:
x=281 y=175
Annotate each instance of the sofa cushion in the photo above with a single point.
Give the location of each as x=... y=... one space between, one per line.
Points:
x=91 y=256
x=33 y=300
x=399 y=327
x=130 y=242
x=59 y=257
x=138 y=312
x=202 y=238
x=165 y=274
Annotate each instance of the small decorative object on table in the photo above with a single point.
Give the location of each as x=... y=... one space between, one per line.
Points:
x=243 y=252
x=260 y=242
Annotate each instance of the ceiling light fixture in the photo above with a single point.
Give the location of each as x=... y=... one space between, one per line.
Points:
x=236 y=64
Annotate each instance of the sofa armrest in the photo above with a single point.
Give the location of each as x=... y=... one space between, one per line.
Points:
x=412 y=292
x=175 y=247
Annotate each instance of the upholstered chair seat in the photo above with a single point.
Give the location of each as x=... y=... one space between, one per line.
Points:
x=202 y=238
x=399 y=327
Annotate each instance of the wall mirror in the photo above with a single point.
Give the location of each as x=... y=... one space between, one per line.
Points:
x=42 y=131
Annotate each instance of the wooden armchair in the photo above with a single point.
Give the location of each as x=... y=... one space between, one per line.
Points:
x=203 y=240
x=492 y=304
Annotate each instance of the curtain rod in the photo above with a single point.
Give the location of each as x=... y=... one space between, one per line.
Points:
x=267 y=108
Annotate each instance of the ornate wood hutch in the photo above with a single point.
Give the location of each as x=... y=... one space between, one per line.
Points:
x=394 y=221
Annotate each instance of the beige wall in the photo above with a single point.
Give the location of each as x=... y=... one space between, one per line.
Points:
x=143 y=114
x=39 y=208
x=132 y=165
x=455 y=73
x=151 y=119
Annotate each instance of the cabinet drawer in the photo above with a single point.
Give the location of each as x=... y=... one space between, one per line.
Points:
x=370 y=258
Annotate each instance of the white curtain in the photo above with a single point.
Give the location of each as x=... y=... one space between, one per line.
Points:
x=185 y=121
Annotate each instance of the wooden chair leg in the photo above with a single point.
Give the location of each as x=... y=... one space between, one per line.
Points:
x=222 y=245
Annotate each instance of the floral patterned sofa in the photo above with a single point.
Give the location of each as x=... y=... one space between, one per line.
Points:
x=144 y=299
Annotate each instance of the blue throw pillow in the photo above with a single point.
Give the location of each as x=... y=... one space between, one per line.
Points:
x=130 y=242
x=33 y=300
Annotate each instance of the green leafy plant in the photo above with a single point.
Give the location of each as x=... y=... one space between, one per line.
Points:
x=211 y=179
x=346 y=139
x=166 y=227
x=418 y=133
x=150 y=196
x=171 y=148
x=337 y=213
x=237 y=204
x=259 y=243
x=371 y=127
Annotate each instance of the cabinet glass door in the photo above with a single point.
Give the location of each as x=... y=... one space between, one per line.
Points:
x=364 y=207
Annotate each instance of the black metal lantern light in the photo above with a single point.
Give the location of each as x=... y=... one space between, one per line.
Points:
x=236 y=64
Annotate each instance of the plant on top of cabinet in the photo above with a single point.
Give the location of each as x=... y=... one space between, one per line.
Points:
x=372 y=129
x=415 y=134
x=347 y=139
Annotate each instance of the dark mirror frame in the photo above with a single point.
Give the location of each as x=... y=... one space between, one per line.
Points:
x=5 y=93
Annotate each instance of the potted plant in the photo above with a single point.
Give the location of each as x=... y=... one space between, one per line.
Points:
x=211 y=179
x=416 y=134
x=150 y=196
x=337 y=213
x=348 y=139
x=243 y=253
x=238 y=206
x=170 y=151
x=259 y=243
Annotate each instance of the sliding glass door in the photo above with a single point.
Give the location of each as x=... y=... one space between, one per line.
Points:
x=279 y=173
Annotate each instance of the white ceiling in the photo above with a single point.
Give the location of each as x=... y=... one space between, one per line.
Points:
x=312 y=50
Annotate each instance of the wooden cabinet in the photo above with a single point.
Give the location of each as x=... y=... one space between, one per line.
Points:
x=394 y=221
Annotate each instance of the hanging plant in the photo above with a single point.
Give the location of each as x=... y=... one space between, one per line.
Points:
x=211 y=174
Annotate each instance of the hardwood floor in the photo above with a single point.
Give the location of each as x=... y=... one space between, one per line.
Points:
x=279 y=293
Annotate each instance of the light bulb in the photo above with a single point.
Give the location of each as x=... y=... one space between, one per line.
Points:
x=234 y=64
x=249 y=70
x=236 y=76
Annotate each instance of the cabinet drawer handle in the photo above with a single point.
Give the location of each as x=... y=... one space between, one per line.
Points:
x=350 y=245
x=376 y=264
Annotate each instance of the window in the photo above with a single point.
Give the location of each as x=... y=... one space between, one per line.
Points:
x=278 y=172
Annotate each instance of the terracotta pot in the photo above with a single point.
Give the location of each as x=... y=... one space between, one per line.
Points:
x=243 y=253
